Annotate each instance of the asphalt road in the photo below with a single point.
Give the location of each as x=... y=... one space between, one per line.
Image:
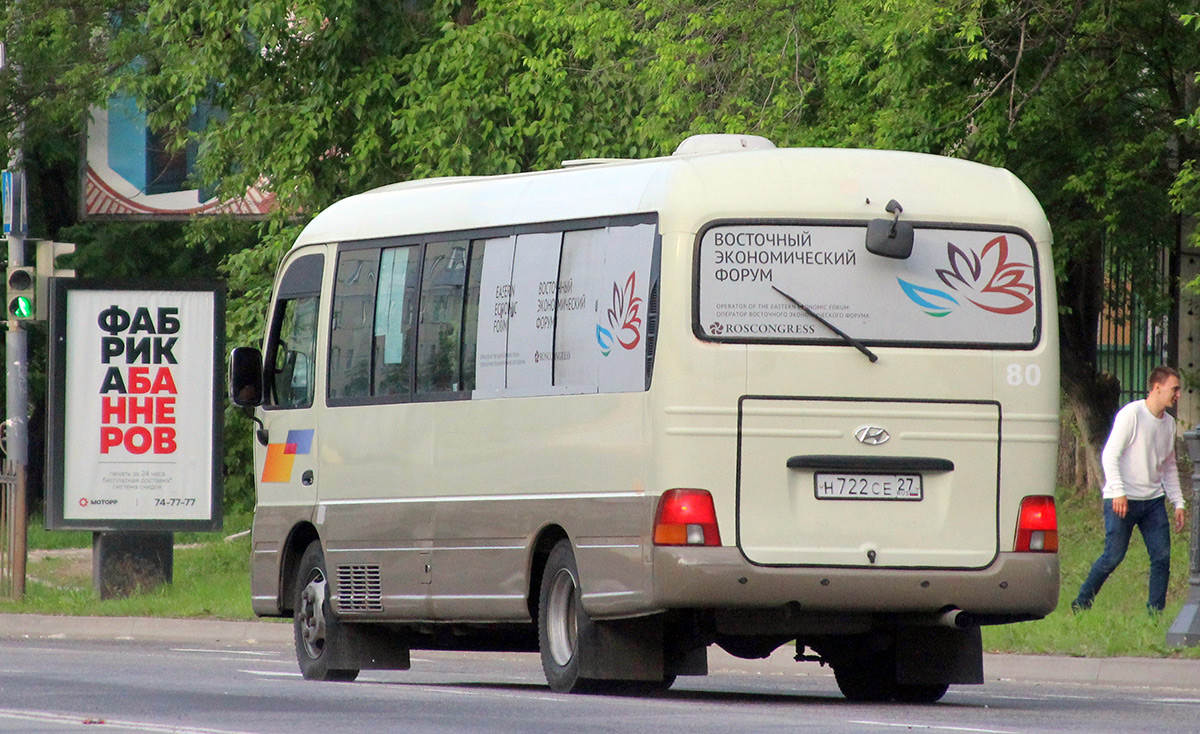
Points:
x=127 y=676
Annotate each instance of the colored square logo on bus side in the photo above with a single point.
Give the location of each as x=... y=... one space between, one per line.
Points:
x=299 y=441
x=282 y=456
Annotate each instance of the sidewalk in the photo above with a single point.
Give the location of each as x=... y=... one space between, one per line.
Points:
x=1120 y=672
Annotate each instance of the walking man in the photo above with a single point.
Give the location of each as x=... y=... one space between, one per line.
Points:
x=1139 y=469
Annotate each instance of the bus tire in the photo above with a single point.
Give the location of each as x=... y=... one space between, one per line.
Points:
x=921 y=692
x=867 y=677
x=562 y=623
x=320 y=637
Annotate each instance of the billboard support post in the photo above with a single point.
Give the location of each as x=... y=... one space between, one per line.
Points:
x=124 y=563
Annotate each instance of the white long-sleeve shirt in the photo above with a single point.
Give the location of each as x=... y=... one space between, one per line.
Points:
x=1139 y=456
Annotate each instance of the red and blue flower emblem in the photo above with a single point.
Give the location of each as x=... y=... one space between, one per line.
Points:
x=987 y=279
x=624 y=319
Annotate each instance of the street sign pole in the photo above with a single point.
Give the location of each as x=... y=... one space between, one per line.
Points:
x=16 y=380
x=16 y=372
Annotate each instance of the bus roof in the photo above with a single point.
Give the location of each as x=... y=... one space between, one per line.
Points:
x=687 y=190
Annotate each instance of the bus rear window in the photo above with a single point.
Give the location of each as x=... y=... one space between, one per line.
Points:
x=960 y=287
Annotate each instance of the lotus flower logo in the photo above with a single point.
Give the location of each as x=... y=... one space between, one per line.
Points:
x=624 y=319
x=987 y=279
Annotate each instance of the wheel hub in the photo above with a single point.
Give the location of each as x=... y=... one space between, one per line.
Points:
x=312 y=615
x=562 y=628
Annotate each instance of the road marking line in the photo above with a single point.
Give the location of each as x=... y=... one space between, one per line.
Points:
x=937 y=727
x=272 y=673
x=49 y=718
x=493 y=694
x=1176 y=700
x=225 y=652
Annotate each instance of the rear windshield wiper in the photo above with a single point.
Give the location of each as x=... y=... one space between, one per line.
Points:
x=845 y=337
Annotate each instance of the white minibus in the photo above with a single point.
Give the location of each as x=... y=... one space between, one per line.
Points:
x=625 y=410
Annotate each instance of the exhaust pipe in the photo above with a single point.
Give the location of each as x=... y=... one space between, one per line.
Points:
x=956 y=618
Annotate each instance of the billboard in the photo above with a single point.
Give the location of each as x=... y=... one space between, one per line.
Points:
x=128 y=173
x=134 y=408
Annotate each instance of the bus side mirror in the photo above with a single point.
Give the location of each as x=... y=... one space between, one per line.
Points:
x=245 y=377
x=889 y=238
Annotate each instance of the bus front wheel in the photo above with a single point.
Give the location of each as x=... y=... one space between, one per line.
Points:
x=318 y=632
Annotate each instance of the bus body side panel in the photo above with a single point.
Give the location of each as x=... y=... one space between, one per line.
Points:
x=582 y=466
x=449 y=525
x=376 y=506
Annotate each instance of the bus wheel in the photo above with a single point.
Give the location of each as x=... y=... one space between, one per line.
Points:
x=318 y=632
x=866 y=678
x=561 y=619
x=921 y=692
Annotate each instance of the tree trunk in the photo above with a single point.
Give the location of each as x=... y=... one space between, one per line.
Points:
x=1091 y=401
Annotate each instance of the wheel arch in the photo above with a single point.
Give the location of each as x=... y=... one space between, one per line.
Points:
x=547 y=538
x=301 y=536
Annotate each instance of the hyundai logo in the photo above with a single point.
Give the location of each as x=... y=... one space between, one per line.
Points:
x=872 y=435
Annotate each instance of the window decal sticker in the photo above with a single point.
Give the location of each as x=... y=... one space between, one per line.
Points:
x=624 y=319
x=988 y=279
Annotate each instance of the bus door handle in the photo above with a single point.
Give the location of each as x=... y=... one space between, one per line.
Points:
x=307 y=478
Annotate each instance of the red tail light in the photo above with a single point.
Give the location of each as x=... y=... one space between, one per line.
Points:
x=686 y=517
x=1037 y=528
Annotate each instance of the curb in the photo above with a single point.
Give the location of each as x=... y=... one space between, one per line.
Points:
x=51 y=627
x=1170 y=673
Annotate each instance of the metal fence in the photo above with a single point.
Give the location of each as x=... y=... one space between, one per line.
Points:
x=1132 y=338
x=8 y=529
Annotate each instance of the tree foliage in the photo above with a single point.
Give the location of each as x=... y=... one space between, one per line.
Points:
x=1094 y=105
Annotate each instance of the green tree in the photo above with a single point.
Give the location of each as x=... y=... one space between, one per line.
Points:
x=1093 y=105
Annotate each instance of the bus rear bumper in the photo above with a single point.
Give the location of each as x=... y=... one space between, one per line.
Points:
x=1016 y=585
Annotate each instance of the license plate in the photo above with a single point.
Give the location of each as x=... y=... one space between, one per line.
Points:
x=843 y=486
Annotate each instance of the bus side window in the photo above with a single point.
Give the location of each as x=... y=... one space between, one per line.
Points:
x=289 y=375
x=440 y=329
x=391 y=346
x=350 y=332
x=470 y=341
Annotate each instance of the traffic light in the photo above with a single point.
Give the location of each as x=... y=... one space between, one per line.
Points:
x=22 y=299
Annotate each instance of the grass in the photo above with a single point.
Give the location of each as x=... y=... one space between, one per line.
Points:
x=212 y=580
x=1118 y=623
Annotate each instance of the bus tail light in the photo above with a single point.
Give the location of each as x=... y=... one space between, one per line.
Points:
x=1037 y=528
x=686 y=517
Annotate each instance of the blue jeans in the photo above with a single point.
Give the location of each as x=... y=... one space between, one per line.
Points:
x=1150 y=517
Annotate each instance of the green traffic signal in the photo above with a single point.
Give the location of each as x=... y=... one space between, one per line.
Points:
x=21 y=307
